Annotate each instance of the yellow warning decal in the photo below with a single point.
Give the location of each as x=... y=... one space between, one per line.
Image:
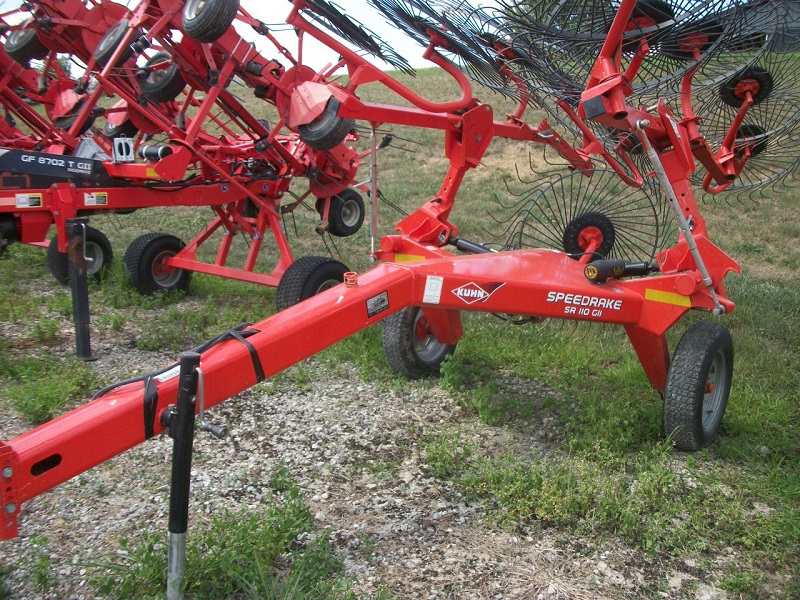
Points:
x=667 y=298
x=407 y=257
x=152 y=172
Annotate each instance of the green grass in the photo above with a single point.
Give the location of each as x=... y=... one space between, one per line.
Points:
x=252 y=554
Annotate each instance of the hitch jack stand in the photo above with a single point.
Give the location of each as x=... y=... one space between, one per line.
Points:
x=180 y=424
x=79 y=285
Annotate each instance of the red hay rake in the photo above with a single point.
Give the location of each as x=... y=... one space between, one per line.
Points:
x=618 y=239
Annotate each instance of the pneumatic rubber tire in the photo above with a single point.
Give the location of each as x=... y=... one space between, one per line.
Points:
x=145 y=263
x=412 y=350
x=162 y=85
x=97 y=248
x=698 y=385
x=326 y=132
x=24 y=45
x=111 y=40
x=207 y=20
x=125 y=129
x=306 y=277
x=346 y=213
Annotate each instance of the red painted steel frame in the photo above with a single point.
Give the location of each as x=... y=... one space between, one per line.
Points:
x=530 y=282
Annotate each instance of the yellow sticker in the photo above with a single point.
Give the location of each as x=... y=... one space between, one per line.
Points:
x=667 y=298
x=95 y=199
x=407 y=257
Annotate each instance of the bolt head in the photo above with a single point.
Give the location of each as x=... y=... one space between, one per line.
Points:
x=11 y=508
x=8 y=473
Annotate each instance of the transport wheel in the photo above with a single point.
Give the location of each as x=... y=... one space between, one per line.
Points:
x=24 y=45
x=66 y=122
x=146 y=259
x=410 y=347
x=124 y=129
x=588 y=227
x=161 y=85
x=111 y=40
x=755 y=80
x=97 y=248
x=207 y=20
x=346 y=213
x=327 y=132
x=306 y=277
x=698 y=384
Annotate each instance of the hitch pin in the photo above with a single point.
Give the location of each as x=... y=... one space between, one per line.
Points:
x=683 y=224
x=217 y=431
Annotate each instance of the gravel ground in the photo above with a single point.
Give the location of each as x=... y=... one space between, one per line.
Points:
x=399 y=527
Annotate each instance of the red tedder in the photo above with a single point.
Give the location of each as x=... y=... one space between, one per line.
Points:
x=212 y=151
x=595 y=252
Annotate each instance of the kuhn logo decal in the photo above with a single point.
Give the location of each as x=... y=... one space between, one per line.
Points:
x=471 y=292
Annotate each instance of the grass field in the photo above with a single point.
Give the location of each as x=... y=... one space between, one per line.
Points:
x=611 y=473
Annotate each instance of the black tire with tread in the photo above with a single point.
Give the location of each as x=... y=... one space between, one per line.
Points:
x=97 y=247
x=141 y=256
x=692 y=363
x=306 y=277
x=124 y=129
x=399 y=333
x=24 y=45
x=163 y=85
x=346 y=213
x=66 y=122
x=327 y=131
x=111 y=40
x=212 y=21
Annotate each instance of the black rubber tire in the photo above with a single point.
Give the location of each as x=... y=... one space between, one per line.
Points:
x=327 y=132
x=727 y=90
x=691 y=416
x=98 y=248
x=111 y=40
x=306 y=277
x=125 y=129
x=207 y=20
x=408 y=355
x=143 y=261
x=346 y=213
x=24 y=45
x=162 y=85
x=66 y=122
x=748 y=130
x=591 y=219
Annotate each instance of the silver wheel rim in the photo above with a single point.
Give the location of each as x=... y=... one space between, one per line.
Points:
x=194 y=8
x=326 y=285
x=162 y=275
x=717 y=384
x=351 y=212
x=429 y=349
x=95 y=259
x=15 y=36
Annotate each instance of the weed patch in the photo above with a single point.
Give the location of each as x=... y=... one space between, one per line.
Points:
x=273 y=553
